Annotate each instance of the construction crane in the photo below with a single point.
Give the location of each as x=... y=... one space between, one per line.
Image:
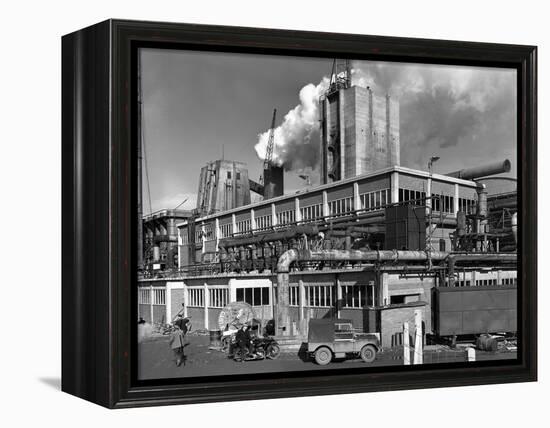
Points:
x=268 y=161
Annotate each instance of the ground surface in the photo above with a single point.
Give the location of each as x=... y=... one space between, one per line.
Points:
x=156 y=360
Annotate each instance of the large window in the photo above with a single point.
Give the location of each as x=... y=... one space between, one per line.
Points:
x=219 y=297
x=209 y=232
x=286 y=217
x=340 y=206
x=486 y=282
x=311 y=212
x=144 y=296
x=294 y=294
x=159 y=296
x=319 y=296
x=244 y=226
x=443 y=203
x=184 y=233
x=467 y=205
x=415 y=196
x=264 y=222
x=374 y=200
x=196 y=297
x=357 y=296
x=226 y=230
x=255 y=296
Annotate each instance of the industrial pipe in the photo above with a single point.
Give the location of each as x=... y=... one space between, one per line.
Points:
x=482 y=171
x=307 y=229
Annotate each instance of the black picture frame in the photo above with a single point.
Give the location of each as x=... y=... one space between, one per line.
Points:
x=99 y=200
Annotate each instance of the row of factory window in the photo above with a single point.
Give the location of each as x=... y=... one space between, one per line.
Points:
x=219 y=297
x=467 y=205
x=155 y=296
x=264 y=222
x=369 y=201
x=441 y=203
x=243 y=226
x=322 y=296
x=311 y=212
x=340 y=207
x=316 y=296
x=486 y=282
x=286 y=217
x=374 y=200
x=254 y=296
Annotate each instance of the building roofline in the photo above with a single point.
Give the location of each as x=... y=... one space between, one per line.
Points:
x=380 y=172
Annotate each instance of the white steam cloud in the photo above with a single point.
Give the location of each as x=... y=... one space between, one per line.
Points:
x=462 y=113
x=295 y=141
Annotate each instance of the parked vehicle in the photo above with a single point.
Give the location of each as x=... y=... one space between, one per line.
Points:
x=336 y=338
x=262 y=347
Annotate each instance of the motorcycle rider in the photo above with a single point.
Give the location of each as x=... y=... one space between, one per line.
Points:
x=243 y=339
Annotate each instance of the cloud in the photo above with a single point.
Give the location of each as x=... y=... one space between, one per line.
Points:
x=442 y=108
x=446 y=108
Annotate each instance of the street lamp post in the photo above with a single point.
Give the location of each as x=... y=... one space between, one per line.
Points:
x=429 y=201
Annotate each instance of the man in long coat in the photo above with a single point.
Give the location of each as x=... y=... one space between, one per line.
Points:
x=177 y=344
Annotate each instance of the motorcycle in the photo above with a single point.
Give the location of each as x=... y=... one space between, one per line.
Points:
x=261 y=348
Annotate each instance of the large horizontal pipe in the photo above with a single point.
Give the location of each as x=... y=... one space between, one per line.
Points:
x=293 y=255
x=482 y=171
x=307 y=229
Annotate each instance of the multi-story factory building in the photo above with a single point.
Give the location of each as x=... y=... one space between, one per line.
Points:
x=236 y=255
x=370 y=244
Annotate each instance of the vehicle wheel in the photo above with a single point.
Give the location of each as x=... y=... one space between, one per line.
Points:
x=368 y=353
x=273 y=351
x=323 y=356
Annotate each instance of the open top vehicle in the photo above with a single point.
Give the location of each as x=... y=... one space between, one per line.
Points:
x=336 y=338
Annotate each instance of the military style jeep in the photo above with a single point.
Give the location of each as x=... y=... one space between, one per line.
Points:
x=336 y=338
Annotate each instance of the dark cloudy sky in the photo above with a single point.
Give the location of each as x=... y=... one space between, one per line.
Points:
x=196 y=103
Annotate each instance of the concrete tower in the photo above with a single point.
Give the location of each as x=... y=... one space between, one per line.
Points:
x=223 y=185
x=359 y=130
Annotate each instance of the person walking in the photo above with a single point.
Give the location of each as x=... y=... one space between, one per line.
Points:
x=177 y=344
x=183 y=323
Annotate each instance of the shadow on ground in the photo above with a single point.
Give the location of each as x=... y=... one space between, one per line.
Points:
x=52 y=382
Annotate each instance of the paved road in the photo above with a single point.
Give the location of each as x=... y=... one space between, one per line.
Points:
x=156 y=360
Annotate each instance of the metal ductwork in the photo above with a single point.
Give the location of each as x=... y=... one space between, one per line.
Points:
x=482 y=171
x=355 y=255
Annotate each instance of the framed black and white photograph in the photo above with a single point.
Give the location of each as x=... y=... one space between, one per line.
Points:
x=263 y=213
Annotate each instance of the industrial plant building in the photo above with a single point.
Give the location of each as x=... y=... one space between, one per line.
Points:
x=370 y=244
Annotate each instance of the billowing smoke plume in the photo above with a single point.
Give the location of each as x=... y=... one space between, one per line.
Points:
x=296 y=140
x=463 y=113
